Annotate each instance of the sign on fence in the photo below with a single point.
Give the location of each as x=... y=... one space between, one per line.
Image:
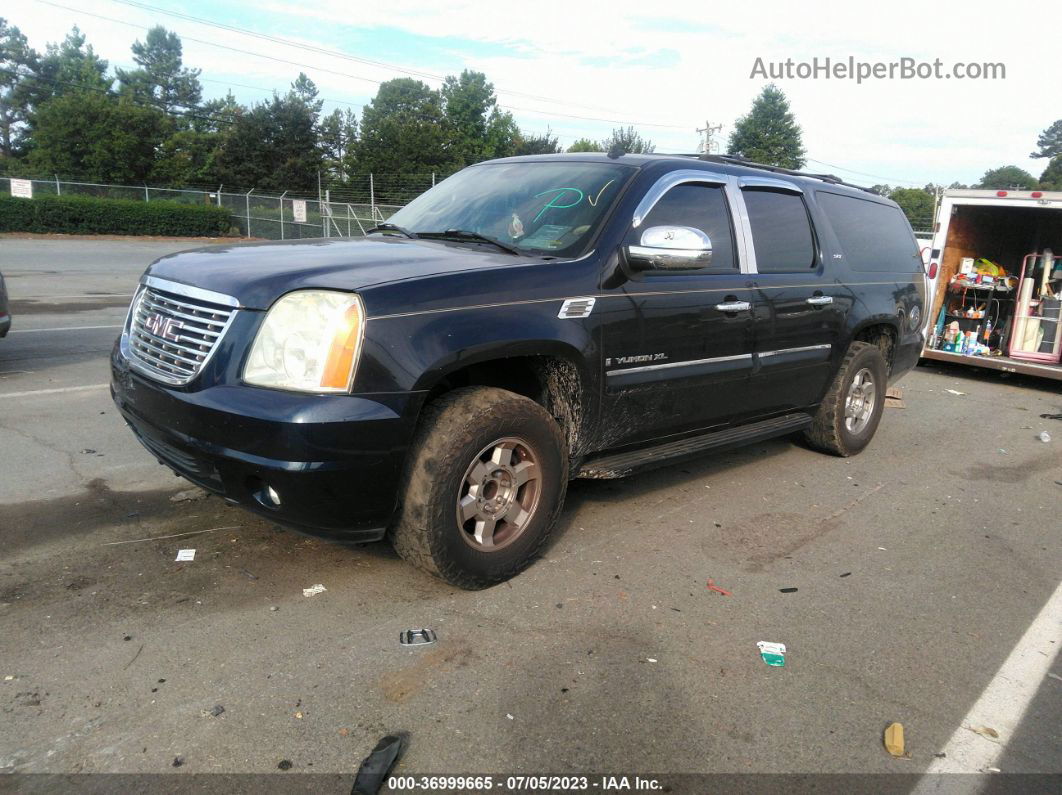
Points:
x=22 y=188
x=298 y=207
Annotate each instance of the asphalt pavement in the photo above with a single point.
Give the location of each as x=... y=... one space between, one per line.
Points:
x=917 y=582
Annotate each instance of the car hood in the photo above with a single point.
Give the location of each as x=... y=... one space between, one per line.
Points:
x=256 y=274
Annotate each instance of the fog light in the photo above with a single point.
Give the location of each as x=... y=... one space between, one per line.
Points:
x=271 y=496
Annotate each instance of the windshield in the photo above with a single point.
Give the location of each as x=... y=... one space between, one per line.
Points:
x=547 y=208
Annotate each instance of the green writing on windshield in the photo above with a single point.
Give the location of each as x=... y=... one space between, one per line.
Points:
x=554 y=202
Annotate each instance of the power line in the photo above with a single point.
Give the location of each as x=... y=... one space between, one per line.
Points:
x=359 y=59
x=344 y=74
x=273 y=90
x=862 y=173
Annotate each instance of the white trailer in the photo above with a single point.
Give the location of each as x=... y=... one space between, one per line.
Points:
x=1013 y=229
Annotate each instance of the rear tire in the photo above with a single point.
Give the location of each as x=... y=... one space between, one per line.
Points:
x=849 y=414
x=485 y=483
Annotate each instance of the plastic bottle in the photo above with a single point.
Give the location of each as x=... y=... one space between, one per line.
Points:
x=988 y=330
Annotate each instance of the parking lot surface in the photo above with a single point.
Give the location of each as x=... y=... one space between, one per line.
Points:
x=901 y=582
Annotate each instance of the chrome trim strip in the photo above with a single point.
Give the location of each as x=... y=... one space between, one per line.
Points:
x=139 y=338
x=192 y=292
x=168 y=307
x=666 y=183
x=768 y=182
x=765 y=354
x=473 y=306
x=742 y=227
x=625 y=295
x=670 y=365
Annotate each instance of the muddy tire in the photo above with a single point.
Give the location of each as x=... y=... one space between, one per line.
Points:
x=486 y=480
x=849 y=414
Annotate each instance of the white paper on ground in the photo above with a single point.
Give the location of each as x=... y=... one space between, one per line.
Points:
x=185 y=554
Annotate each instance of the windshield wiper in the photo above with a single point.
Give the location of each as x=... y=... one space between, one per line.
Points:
x=465 y=234
x=388 y=227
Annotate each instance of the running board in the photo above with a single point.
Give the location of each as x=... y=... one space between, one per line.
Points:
x=619 y=465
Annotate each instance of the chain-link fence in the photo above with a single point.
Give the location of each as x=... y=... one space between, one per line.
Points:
x=345 y=210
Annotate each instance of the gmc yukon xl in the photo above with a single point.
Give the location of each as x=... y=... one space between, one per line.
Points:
x=524 y=322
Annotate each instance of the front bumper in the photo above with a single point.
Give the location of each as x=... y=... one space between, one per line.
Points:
x=335 y=461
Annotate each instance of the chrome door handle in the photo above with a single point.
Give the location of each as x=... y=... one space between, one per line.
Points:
x=820 y=300
x=734 y=306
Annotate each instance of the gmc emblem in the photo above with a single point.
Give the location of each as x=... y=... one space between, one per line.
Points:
x=164 y=327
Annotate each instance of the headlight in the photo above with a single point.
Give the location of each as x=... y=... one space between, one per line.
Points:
x=309 y=342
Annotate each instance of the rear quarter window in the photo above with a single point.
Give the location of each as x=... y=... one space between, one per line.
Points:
x=873 y=236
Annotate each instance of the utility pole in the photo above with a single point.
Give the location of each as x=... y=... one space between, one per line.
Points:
x=709 y=132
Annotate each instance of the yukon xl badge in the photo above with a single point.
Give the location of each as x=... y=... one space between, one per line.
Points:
x=576 y=308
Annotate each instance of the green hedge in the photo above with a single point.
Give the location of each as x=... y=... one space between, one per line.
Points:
x=81 y=215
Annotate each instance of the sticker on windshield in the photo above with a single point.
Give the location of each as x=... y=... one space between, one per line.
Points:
x=547 y=236
x=516 y=227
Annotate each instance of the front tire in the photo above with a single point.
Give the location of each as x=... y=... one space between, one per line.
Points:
x=849 y=414
x=485 y=483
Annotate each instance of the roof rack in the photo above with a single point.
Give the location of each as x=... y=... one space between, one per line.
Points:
x=734 y=160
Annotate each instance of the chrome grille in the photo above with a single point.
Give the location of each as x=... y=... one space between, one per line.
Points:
x=174 y=328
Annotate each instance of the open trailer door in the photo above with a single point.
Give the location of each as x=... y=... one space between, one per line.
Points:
x=996 y=282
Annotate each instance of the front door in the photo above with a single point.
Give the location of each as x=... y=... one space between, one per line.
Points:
x=678 y=346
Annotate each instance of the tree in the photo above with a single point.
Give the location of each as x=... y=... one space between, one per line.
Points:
x=338 y=135
x=585 y=145
x=769 y=133
x=1050 y=141
x=97 y=137
x=18 y=62
x=531 y=144
x=273 y=146
x=403 y=130
x=188 y=156
x=1051 y=179
x=503 y=135
x=162 y=79
x=479 y=129
x=624 y=140
x=69 y=66
x=1008 y=178
x=304 y=90
x=881 y=190
x=917 y=204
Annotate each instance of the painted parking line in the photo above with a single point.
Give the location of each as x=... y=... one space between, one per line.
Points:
x=88 y=297
x=61 y=328
x=58 y=391
x=1002 y=703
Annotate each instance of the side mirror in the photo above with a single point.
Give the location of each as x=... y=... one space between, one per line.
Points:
x=670 y=248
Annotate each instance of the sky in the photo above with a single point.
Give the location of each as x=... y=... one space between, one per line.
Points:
x=668 y=68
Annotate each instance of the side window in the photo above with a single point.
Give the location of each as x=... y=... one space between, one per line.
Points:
x=702 y=207
x=873 y=236
x=781 y=231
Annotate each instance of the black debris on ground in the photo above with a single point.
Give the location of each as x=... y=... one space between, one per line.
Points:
x=376 y=765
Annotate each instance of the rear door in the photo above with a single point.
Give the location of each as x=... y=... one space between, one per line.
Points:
x=798 y=311
x=678 y=346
